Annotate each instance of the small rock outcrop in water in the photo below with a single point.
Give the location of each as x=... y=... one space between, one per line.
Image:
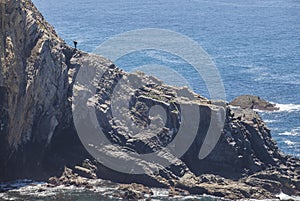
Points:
x=253 y=102
x=38 y=138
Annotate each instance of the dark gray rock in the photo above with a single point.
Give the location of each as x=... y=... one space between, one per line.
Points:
x=253 y=102
x=38 y=138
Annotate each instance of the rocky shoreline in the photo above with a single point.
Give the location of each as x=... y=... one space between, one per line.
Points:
x=39 y=141
x=267 y=183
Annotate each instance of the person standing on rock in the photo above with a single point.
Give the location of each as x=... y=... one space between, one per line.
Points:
x=75 y=44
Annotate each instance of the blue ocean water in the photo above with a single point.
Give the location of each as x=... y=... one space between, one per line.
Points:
x=255 y=45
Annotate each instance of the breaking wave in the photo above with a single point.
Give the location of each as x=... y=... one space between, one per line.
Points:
x=288 y=107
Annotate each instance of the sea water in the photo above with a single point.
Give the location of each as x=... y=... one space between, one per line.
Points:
x=255 y=45
x=36 y=191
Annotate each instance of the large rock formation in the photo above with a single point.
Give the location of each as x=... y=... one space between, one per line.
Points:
x=38 y=137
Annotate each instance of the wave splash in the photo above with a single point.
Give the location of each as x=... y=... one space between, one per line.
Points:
x=288 y=107
x=293 y=132
x=283 y=196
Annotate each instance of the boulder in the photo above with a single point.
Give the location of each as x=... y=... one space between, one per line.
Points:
x=253 y=102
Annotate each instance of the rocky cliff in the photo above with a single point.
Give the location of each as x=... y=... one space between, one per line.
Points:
x=38 y=138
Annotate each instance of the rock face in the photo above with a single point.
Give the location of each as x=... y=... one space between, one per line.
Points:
x=253 y=102
x=38 y=138
x=34 y=88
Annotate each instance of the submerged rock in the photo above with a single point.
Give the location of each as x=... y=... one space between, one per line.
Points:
x=38 y=138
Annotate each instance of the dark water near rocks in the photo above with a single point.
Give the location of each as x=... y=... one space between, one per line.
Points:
x=33 y=191
x=255 y=45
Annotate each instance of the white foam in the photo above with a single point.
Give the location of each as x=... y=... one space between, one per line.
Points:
x=289 y=142
x=7 y=197
x=293 y=132
x=47 y=191
x=283 y=196
x=262 y=111
x=282 y=108
x=288 y=107
x=269 y=121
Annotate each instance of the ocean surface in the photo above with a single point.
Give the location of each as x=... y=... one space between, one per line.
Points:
x=255 y=45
